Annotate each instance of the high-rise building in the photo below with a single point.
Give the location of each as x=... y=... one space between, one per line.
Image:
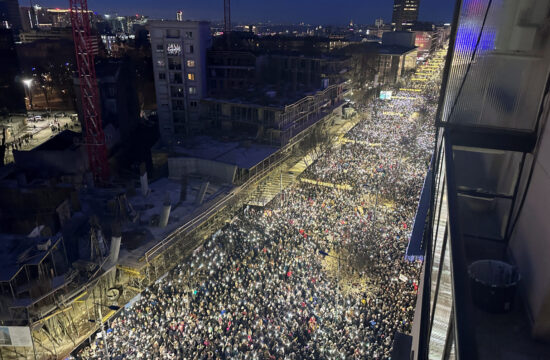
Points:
x=405 y=13
x=487 y=236
x=179 y=63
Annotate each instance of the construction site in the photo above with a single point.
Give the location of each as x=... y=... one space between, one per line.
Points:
x=97 y=247
x=81 y=242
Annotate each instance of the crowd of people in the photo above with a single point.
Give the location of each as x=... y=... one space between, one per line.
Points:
x=262 y=287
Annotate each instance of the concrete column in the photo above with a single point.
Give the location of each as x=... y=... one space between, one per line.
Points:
x=165 y=214
x=143 y=180
x=116 y=238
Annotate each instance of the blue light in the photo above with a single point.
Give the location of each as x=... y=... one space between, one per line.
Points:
x=470 y=26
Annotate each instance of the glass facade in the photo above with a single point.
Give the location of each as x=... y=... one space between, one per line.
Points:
x=488 y=120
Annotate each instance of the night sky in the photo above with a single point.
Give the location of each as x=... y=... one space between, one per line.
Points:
x=280 y=11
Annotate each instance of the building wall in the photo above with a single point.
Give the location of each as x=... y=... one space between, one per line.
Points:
x=179 y=167
x=269 y=124
x=230 y=72
x=179 y=64
x=118 y=99
x=292 y=73
x=391 y=67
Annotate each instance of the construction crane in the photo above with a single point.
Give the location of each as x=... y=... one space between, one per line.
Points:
x=91 y=112
x=227 y=16
x=227 y=21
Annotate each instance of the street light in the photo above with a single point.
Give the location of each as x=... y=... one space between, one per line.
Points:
x=103 y=334
x=28 y=84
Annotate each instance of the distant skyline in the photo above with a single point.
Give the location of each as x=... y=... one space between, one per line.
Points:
x=279 y=11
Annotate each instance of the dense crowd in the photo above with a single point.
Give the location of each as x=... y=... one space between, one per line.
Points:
x=263 y=287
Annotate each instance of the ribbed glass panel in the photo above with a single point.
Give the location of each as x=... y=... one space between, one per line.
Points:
x=494 y=79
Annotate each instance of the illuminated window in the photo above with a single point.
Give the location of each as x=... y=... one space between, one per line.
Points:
x=191 y=76
x=192 y=90
x=160 y=63
x=177 y=91
x=190 y=63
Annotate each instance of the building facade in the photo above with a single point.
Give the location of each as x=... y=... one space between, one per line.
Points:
x=179 y=63
x=271 y=122
x=392 y=62
x=489 y=184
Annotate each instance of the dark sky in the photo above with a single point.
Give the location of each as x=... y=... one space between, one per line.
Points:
x=286 y=11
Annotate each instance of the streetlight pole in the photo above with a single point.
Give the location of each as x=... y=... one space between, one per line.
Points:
x=28 y=84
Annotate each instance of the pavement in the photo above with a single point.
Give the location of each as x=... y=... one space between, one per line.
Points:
x=25 y=133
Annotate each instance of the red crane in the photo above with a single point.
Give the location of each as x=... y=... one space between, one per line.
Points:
x=91 y=111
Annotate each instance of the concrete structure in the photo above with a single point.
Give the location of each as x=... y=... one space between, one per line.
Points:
x=179 y=63
x=405 y=13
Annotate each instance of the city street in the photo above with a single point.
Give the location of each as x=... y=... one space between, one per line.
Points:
x=26 y=133
x=318 y=274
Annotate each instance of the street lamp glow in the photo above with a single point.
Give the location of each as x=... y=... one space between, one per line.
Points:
x=27 y=82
